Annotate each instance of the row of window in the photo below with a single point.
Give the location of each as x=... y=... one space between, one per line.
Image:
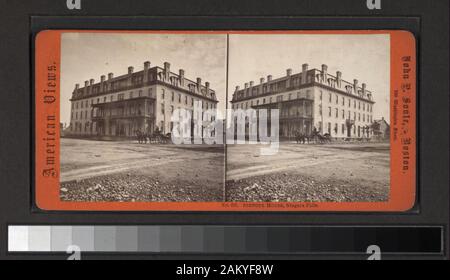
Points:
x=280 y=98
x=81 y=115
x=365 y=107
x=86 y=103
x=273 y=87
x=205 y=105
x=269 y=100
x=116 y=85
x=187 y=100
x=131 y=110
x=342 y=114
x=336 y=129
x=78 y=127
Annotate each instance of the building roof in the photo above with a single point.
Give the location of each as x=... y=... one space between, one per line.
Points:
x=161 y=75
x=383 y=120
x=314 y=77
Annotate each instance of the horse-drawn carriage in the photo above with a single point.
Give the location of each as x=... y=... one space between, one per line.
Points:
x=155 y=138
x=314 y=137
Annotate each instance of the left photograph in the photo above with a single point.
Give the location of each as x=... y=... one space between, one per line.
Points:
x=121 y=95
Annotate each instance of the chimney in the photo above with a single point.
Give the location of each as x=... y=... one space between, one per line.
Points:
x=269 y=78
x=251 y=83
x=207 y=88
x=364 y=86
x=338 y=78
x=355 y=86
x=86 y=85
x=199 y=85
x=246 y=85
x=237 y=88
x=129 y=79
x=166 y=70
x=324 y=72
x=91 y=83
x=304 y=73
x=146 y=67
x=166 y=67
x=108 y=83
x=288 y=74
x=261 y=87
x=77 y=86
x=181 y=74
x=102 y=82
x=130 y=70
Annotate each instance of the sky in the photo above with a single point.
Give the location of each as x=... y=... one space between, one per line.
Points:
x=362 y=57
x=86 y=56
x=251 y=56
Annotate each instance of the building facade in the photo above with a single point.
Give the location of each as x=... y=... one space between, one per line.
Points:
x=137 y=101
x=312 y=99
x=382 y=129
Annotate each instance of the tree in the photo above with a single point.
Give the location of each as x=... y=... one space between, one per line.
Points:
x=375 y=126
x=349 y=124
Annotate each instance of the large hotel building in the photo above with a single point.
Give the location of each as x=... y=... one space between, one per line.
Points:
x=137 y=101
x=312 y=99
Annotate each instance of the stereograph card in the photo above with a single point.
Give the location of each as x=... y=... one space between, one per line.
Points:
x=335 y=131
x=234 y=130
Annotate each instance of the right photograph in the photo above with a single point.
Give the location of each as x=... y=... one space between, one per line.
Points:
x=324 y=103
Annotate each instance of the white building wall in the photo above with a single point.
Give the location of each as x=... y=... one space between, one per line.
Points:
x=81 y=111
x=322 y=107
x=164 y=100
x=326 y=104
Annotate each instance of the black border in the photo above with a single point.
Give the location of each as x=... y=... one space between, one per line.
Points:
x=15 y=110
x=39 y=24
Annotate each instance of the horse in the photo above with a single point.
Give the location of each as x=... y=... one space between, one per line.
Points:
x=326 y=138
x=154 y=138
x=301 y=138
x=141 y=137
x=166 y=139
x=138 y=134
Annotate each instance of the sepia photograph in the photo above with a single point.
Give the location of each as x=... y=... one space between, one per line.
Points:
x=119 y=94
x=331 y=96
x=307 y=117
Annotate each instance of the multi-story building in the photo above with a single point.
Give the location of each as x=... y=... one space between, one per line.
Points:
x=312 y=99
x=137 y=101
x=382 y=129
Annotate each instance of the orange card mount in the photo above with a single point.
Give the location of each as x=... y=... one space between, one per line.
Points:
x=50 y=131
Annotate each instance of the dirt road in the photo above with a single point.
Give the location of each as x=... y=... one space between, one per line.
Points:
x=334 y=172
x=125 y=171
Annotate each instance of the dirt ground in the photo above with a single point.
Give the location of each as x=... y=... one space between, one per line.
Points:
x=344 y=172
x=126 y=171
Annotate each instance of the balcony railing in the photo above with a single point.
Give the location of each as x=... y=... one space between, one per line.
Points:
x=121 y=116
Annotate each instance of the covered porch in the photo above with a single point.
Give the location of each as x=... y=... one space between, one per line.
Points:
x=124 y=118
